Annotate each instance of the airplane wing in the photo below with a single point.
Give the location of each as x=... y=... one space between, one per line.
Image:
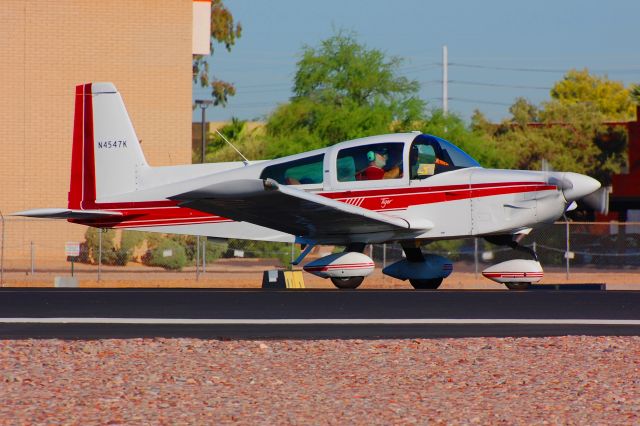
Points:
x=287 y=209
x=66 y=213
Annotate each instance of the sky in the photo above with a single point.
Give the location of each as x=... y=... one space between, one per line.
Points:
x=498 y=49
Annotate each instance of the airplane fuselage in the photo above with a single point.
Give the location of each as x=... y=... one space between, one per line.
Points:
x=396 y=187
x=459 y=203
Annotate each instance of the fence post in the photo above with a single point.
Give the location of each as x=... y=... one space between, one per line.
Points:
x=566 y=254
x=292 y=255
x=384 y=258
x=475 y=256
x=197 y=257
x=2 y=252
x=33 y=266
x=99 y=254
x=204 y=255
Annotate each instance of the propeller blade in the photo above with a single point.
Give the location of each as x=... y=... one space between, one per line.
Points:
x=598 y=200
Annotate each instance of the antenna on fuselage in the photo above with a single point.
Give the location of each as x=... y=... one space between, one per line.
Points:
x=245 y=160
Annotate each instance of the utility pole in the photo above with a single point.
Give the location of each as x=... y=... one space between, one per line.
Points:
x=445 y=80
x=203 y=104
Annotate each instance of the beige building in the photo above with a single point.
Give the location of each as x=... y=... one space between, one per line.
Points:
x=144 y=47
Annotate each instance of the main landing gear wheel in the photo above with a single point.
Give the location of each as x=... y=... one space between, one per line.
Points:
x=347 y=283
x=431 y=284
x=517 y=286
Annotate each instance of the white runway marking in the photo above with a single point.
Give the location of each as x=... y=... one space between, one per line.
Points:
x=349 y=321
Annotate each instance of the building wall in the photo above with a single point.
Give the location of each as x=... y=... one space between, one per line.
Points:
x=47 y=48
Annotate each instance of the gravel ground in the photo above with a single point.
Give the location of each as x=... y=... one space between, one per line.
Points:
x=557 y=380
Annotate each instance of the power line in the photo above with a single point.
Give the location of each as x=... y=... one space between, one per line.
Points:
x=412 y=68
x=432 y=82
x=546 y=70
x=542 y=70
x=254 y=86
x=508 y=86
x=478 y=101
x=480 y=83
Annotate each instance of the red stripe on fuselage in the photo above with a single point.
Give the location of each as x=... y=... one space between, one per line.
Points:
x=408 y=190
x=167 y=212
x=406 y=197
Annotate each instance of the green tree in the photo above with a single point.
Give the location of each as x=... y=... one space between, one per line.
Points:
x=635 y=93
x=570 y=136
x=524 y=112
x=342 y=90
x=224 y=31
x=609 y=97
x=474 y=142
x=250 y=140
x=341 y=70
x=480 y=123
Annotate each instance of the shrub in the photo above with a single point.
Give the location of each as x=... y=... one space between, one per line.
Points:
x=264 y=250
x=112 y=253
x=168 y=254
x=92 y=242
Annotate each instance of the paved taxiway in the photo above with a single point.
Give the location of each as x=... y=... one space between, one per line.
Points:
x=211 y=313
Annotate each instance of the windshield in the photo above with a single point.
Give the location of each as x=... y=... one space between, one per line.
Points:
x=459 y=158
x=430 y=155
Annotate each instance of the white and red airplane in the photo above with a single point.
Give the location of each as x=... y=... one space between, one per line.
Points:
x=410 y=188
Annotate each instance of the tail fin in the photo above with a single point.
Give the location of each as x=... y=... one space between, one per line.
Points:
x=106 y=154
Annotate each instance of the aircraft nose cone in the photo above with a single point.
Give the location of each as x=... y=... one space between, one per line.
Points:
x=579 y=186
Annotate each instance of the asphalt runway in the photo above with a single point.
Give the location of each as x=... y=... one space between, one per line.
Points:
x=313 y=314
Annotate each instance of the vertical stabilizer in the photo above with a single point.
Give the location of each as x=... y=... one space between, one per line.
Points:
x=106 y=155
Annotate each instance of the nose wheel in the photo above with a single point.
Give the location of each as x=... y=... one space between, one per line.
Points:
x=517 y=286
x=347 y=283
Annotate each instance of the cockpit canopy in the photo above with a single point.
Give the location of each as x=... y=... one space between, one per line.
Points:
x=401 y=158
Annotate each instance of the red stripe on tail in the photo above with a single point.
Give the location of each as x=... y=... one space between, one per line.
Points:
x=89 y=173
x=75 y=185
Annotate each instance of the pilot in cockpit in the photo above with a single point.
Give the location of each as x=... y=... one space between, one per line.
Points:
x=377 y=160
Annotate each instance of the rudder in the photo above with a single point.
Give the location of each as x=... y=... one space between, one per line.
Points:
x=106 y=154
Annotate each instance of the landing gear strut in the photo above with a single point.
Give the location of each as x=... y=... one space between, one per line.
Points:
x=512 y=241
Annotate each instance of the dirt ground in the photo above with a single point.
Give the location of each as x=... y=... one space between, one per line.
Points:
x=247 y=273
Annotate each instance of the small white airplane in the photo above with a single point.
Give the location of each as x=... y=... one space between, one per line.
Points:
x=410 y=188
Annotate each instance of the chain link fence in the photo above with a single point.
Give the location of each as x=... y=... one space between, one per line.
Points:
x=35 y=249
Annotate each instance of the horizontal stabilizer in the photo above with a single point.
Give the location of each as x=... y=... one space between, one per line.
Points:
x=65 y=213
